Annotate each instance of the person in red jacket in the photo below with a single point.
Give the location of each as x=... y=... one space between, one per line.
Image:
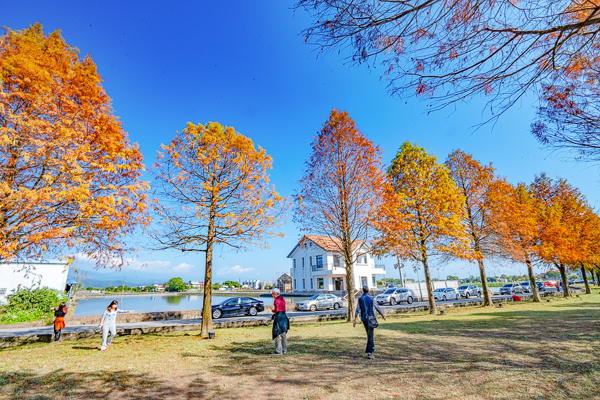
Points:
x=281 y=323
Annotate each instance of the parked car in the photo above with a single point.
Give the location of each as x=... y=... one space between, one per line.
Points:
x=320 y=302
x=395 y=296
x=511 y=288
x=574 y=281
x=237 y=306
x=526 y=287
x=541 y=287
x=467 y=291
x=444 y=294
x=550 y=284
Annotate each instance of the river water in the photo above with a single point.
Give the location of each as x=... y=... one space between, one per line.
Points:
x=145 y=303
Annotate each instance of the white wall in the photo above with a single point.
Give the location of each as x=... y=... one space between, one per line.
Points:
x=53 y=276
x=360 y=269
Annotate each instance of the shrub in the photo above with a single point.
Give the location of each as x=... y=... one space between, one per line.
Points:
x=30 y=304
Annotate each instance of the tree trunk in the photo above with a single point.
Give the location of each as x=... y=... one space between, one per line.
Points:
x=563 y=274
x=593 y=273
x=534 y=289
x=207 y=301
x=350 y=284
x=432 y=305
x=487 y=296
x=588 y=290
x=598 y=276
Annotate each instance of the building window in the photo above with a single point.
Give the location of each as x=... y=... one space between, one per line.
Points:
x=374 y=281
x=2 y=291
x=294 y=263
x=310 y=261
x=311 y=283
x=294 y=284
x=302 y=262
x=303 y=283
x=319 y=261
x=320 y=284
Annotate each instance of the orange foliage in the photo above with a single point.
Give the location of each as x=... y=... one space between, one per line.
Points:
x=70 y=176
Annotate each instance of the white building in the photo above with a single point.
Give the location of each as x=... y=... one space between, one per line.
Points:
x=50 y=275
x=252 y=284
x=317 y=266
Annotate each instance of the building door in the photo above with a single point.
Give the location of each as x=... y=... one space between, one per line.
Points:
x=338 y=283
x=364 y=281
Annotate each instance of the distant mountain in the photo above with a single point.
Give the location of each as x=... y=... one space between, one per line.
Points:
x=103 y=283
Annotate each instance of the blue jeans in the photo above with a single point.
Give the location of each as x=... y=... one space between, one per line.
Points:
x=370 y=342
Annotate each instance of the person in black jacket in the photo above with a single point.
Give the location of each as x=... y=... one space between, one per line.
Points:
x=59 y=320
x=366 y=307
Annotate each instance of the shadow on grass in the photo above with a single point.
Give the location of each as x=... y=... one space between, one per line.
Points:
x=95 y=385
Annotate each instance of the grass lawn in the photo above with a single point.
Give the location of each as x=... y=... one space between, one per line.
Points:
x=520 y=351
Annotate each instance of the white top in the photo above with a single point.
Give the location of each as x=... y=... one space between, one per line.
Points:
x=111 y=316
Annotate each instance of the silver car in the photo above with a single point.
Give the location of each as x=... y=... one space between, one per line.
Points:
x=394 y=296
x=444 y=294
x=320 y=302
x=469 y=290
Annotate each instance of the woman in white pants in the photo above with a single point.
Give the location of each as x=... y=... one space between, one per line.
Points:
x=109 y=323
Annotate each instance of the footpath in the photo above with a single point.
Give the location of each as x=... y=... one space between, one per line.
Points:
x=22 y=336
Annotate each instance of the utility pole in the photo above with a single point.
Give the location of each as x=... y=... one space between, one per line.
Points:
x=122 y=291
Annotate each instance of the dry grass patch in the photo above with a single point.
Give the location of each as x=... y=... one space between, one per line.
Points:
x=521 y=351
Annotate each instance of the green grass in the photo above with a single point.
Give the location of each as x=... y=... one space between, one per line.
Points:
x=521 y=351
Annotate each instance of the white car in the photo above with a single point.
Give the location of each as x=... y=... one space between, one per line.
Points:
x=444 y=294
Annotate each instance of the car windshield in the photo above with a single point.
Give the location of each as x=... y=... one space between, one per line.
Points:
x=391 y=291
x=508 y=285
x=525 y=284
x=314 y=297
x=463 y=287
x=439 y=290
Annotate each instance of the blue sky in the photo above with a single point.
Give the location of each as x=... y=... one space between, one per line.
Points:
x=245 y=64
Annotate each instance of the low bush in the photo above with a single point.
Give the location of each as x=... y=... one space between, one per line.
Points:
x=30 y=304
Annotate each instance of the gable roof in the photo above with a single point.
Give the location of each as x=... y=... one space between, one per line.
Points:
x=327 y=243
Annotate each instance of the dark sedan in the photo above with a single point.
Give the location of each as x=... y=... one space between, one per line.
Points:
x=237 y=306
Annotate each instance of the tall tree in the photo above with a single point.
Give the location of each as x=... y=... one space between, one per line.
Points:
x=518 y=225
x=213 y=189
x=70 y=178
x=478 y=186
x=450 y=50
x=421 y=217
x=564 y=209
x=340 y=190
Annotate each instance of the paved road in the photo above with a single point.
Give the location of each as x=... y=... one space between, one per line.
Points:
x=262 y=316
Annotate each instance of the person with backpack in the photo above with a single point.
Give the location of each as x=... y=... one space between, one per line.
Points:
x=366 y=306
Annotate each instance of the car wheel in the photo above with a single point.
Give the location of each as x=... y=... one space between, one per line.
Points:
x=336 y=306
x=444 y=298
x=457 y=297
x=409 y=300
x=479 y=294
x=313 y=308
x=467 y=295
x=393 y=302
x=252 y=311
x=217 y=313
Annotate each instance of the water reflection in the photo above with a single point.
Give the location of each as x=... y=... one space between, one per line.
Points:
x=173 y=299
